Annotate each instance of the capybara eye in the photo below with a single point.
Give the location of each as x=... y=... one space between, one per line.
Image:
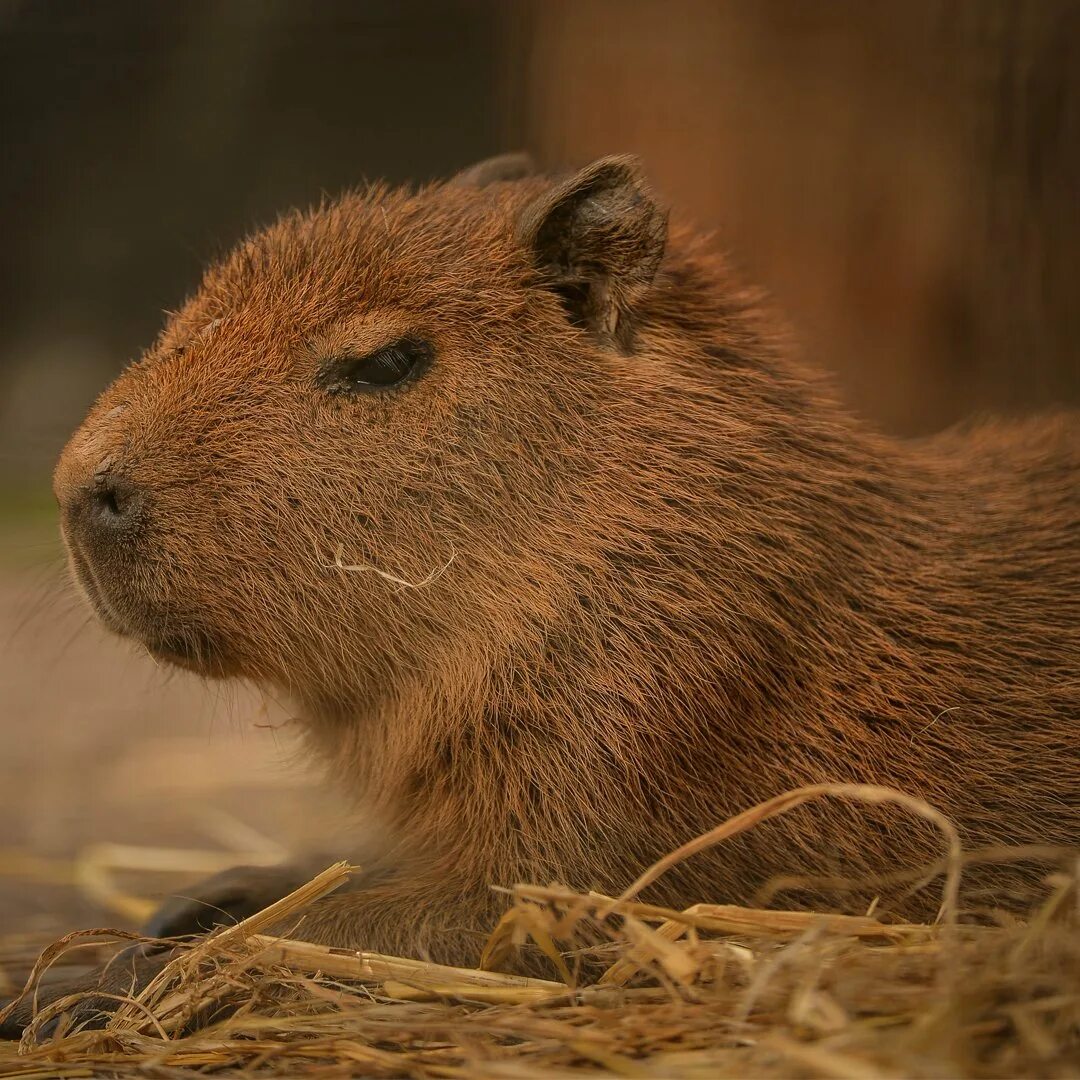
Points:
x=389 y=366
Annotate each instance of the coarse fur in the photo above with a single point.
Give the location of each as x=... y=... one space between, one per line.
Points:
x=615 y=567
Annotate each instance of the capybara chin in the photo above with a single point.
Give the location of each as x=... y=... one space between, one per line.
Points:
x=564 y=559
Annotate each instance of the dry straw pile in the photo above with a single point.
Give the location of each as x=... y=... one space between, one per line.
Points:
x=714 y=991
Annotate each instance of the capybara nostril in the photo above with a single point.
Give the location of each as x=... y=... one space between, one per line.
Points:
x=107 y=507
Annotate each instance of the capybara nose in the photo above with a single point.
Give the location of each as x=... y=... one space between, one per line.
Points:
x=105 y=509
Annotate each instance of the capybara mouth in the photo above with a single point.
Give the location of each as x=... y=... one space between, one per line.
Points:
x=171 y=640
x=92 y=589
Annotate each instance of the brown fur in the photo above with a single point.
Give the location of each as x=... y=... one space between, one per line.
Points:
x=677 y=577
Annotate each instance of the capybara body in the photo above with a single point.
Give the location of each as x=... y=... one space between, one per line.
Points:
x=563 y=558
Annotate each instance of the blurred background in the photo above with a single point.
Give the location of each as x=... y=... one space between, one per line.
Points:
x=902 y=176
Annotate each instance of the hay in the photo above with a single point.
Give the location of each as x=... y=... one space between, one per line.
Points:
x=713 y=991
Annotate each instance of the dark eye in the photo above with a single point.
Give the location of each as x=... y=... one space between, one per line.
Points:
x=388 y=366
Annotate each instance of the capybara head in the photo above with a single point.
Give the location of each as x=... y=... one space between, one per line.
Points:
x=360 y=447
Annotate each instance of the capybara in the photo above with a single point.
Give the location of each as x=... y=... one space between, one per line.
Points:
x=563 y=557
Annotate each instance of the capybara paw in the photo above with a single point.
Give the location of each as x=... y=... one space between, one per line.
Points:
x=94 y=996
x=224 y=899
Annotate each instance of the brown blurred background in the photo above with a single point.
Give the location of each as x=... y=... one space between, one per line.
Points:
x=902 y=176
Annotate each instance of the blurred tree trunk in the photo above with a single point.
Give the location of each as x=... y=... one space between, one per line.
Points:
x=903 y=177
x=1016 y=72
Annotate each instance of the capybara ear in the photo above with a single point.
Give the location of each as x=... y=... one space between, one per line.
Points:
x=491 y=170
x=598 y=239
